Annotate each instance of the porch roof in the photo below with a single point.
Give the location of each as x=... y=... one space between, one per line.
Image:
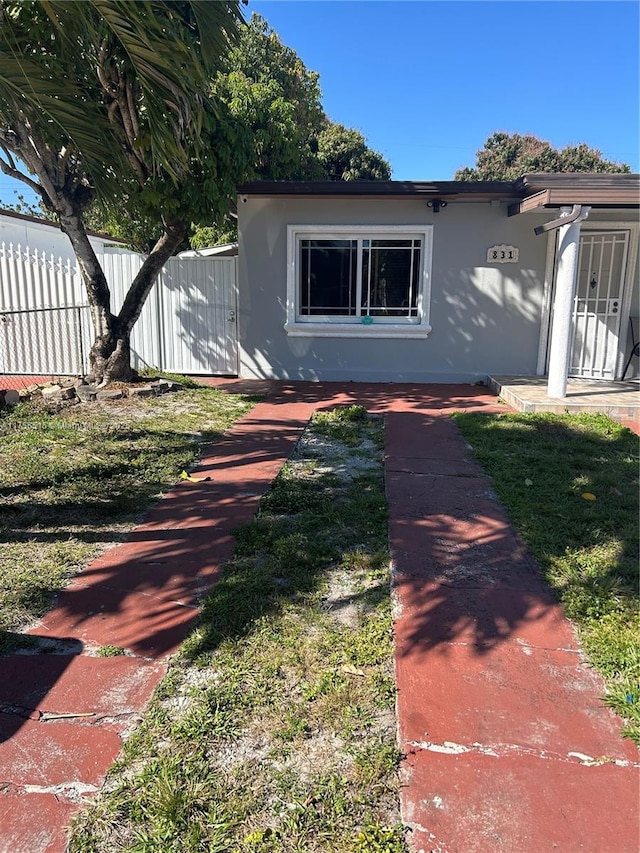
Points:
x=552 y=190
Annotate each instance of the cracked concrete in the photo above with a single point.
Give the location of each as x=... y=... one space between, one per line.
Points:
x=498 y=750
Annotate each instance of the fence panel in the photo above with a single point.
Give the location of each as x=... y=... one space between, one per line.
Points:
x=32 y=279
x=198 y=306
x=187 y=325
x=44 y=341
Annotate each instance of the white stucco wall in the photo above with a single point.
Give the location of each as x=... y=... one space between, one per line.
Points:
x=485 y=318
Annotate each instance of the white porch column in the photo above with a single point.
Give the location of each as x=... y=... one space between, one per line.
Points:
x=566 y=276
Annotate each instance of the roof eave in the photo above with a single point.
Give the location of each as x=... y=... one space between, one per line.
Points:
x=477 y=190
x=531 y=191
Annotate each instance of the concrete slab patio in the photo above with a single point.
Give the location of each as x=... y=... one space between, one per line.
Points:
x=619 y=400
x=509 y=746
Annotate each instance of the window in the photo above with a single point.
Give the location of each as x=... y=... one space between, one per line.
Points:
x=358 y=280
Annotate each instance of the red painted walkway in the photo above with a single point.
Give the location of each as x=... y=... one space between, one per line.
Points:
x=509 y=746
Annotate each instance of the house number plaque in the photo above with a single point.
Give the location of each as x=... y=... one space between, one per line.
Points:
x=503 y=255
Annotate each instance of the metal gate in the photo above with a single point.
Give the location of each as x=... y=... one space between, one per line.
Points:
x=198 y=306
x=188 y=323
x=598 y=302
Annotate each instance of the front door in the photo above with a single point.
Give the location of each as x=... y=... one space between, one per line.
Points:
x=597 y=307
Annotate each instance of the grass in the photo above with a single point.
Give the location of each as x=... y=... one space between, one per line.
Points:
x=110 y=651
x=570 y=484
x=274 y=730
x=342 y=424
x=73 y=481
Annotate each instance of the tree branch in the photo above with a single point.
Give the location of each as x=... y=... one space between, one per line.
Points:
x=132 y=107
x=9 y=168
x=40 y=161
x=174 y=233
x=120 y=103
x=103 y=55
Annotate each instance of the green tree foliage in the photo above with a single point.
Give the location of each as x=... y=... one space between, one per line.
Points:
x=105 y=101
x=214 y=235
x=26 y=208
x=345 y=156
x=267 y=86
x=506 y=157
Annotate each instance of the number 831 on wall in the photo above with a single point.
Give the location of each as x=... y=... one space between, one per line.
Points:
x=503 y=255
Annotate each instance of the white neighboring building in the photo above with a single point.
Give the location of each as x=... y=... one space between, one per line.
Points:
x=227 y=250
x=43 y=236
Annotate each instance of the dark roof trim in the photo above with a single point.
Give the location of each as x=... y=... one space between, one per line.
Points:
x=552 y=189
x=602 y=197
x=394 y=189
x=606 y=190
x=37 y=221
x=535 y=182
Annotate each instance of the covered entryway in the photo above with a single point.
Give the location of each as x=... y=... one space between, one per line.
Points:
x=592 y=249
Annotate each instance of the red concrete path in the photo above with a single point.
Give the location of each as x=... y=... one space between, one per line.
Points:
x=497 y=713
x=509 y=746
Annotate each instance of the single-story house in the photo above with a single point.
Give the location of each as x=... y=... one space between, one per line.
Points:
x=443 y=281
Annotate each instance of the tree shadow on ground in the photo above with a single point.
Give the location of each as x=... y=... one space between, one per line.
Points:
x=462 y=573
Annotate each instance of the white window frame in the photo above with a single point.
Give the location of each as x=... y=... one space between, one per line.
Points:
x=342 y=327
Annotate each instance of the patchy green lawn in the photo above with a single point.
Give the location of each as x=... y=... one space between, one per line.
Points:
x=570 y=485
x=73 y=481
x=274 y=730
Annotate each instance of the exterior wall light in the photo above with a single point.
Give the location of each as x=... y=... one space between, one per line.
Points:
x=436 y=204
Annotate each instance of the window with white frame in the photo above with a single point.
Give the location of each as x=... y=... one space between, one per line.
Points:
x=358 y=280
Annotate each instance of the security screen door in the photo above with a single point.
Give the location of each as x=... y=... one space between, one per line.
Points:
x=598 y=304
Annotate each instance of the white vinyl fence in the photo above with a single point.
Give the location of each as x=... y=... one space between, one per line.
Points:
x=187 y=325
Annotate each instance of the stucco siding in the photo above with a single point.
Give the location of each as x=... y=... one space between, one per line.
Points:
x=485 y=318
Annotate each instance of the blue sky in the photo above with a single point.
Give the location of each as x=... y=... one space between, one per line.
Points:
x=428 y=82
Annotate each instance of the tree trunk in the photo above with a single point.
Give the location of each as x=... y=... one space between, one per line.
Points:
x=110 y=357
x=98 y=295
x=65 y=190
x=110 y=354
